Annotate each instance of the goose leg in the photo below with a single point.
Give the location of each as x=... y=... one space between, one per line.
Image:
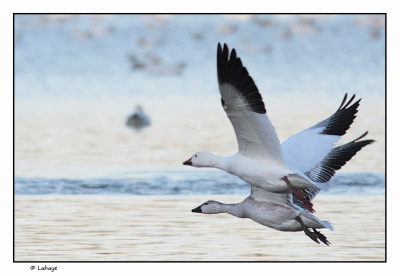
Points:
x=312 y=235
x=321 y=237
x=300 y=195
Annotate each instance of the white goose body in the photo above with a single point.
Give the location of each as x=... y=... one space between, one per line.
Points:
x=280 y=217
x=262 y=173
x=284 y=178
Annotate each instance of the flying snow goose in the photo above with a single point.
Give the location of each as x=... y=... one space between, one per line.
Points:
x=260 y=161
x=273 y=210
x=278 y=174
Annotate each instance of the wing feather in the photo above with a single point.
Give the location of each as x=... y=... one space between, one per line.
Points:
x=326 y=169
x=245 y=108
x=307 y=148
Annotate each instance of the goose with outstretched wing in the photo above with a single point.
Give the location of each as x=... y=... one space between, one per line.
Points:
x=259 y=161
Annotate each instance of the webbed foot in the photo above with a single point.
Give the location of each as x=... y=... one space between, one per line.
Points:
x=321 y=237
x=315 y=235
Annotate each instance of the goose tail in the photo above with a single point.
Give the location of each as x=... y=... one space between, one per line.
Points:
x=327 y=224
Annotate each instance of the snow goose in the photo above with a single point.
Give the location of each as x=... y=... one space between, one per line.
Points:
x=273 y=210
x=260 y=161
x=139 y=119
x=283 y=178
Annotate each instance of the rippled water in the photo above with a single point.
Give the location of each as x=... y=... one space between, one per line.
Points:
x=162 y=228
x=181 y=182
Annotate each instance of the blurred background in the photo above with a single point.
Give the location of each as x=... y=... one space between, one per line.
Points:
x=79 y=79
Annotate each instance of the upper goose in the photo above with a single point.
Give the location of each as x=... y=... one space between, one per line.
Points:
x=261 y=161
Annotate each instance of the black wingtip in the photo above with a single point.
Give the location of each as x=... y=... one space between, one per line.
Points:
x=230 y=70
x=336 y=159
x=366 y=142
x=340 y=121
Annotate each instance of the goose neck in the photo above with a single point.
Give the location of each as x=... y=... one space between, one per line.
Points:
x=219 y=162
x=233 y=209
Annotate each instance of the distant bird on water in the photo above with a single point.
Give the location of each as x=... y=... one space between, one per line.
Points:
x=138 y=120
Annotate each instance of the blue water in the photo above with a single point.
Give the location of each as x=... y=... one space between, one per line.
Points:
x=181 y=182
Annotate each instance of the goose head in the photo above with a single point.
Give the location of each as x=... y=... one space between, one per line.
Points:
x=201 y=159
x=209 y=207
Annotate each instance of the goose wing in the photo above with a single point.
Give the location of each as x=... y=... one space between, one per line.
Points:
x=245 y=108
x=336 y=159
x=326 y=169
x=306 y=149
